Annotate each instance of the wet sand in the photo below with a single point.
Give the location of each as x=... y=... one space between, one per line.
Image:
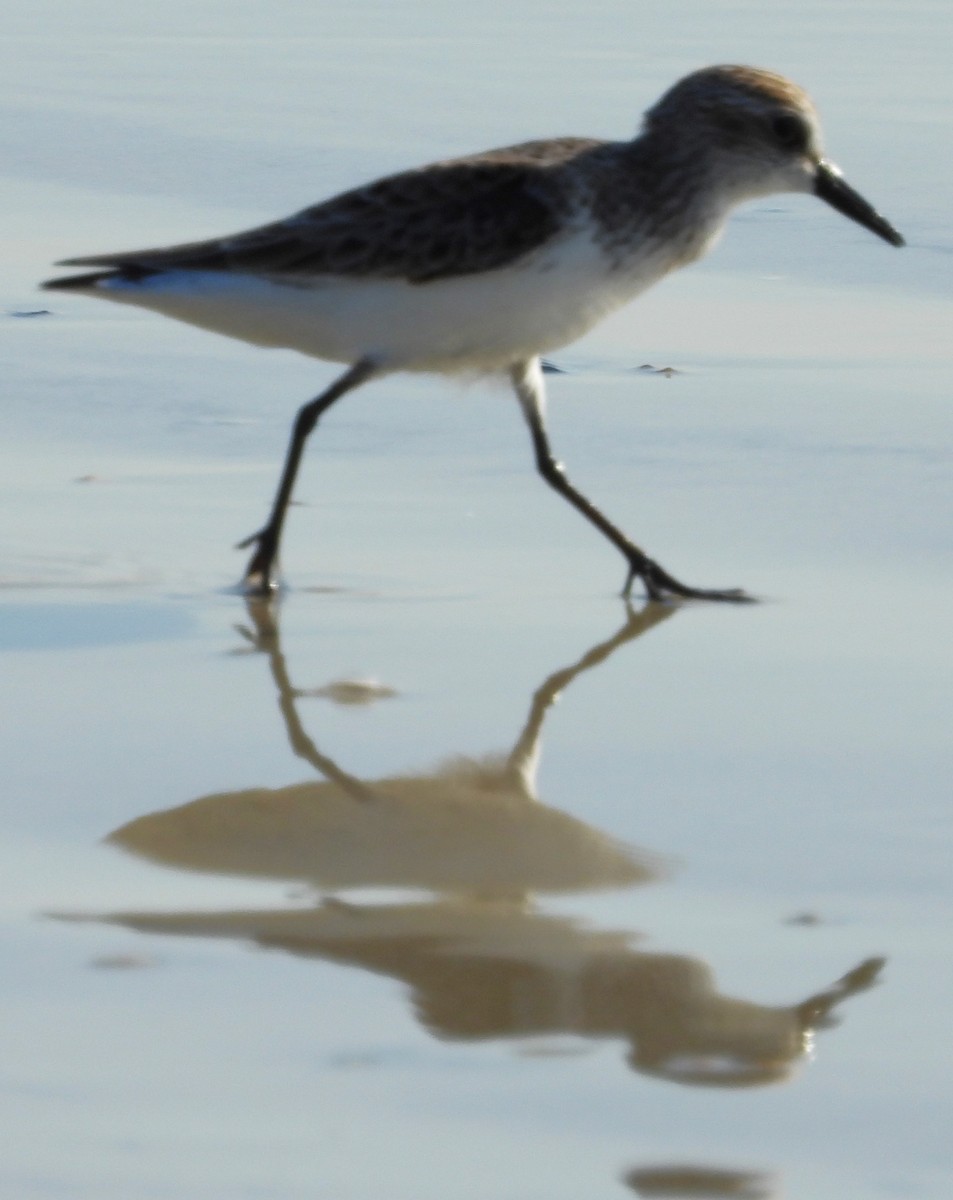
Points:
x=451 y=875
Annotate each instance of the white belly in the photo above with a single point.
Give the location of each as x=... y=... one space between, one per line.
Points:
x=479 y=322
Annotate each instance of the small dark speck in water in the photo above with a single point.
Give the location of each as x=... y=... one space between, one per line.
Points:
x=122 y=962
x=550 y=368
x=87 y=479
x=29 y=312
x=351 y=691
x=684 y=1182
x=804 y=919
x=554 y=1049
x=358 y=1059
x=651 y=369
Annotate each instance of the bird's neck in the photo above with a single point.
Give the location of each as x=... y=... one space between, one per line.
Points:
x=657 y=195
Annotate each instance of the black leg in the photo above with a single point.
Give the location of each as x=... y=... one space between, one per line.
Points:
x=528 y=383
x=260 y=572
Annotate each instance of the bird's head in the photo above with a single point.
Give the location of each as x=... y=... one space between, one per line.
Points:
x=762 y=133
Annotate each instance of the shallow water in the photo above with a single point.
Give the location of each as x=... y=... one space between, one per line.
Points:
x=450 y=875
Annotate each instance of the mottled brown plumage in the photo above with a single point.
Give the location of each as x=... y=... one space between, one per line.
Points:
x=449 y=218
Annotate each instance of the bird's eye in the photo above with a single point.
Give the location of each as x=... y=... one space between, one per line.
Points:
x=790 y=131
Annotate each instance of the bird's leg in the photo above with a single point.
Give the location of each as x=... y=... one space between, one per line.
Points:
x=260 y=572
x=527 y=381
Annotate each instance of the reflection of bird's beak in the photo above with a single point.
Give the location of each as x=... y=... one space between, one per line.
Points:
x=831 y=186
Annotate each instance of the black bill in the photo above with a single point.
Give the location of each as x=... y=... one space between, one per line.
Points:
x=830 y=185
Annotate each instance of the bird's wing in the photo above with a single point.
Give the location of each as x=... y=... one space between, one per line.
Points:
x=453 y=218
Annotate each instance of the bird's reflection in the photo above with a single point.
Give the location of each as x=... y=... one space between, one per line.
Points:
x=471 y=825
x=480 y=959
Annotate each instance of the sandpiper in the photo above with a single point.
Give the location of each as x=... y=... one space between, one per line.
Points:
x=482 y=264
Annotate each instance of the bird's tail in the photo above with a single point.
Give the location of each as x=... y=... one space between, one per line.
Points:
x=66 y=283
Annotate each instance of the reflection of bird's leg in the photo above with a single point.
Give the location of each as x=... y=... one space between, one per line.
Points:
x=266 y=637
x=524 y=756
x=263 y=614
x=815 y=1011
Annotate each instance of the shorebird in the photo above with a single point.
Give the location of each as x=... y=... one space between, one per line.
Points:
x=479 y=265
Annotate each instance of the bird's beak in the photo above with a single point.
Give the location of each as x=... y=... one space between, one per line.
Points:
x=831 y=186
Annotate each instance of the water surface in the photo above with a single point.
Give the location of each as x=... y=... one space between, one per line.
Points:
x=451 y=876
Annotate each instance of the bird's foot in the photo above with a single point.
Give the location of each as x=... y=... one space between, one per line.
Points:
x=660 y=585
x=259 y=578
